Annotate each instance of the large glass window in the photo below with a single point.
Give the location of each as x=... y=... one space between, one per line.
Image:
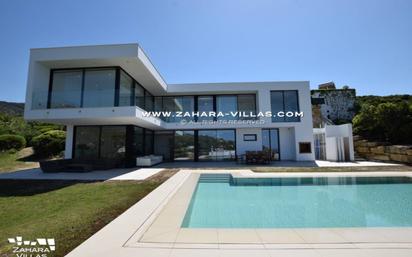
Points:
x=291 y=104
x=99 y=88
x=247 y=106
x=225 y=149
x=284 y=101
x=148 y=149
x=125 y=90
x=216 y=145
x=207 y=144
x=86 y=146
x=113 y=142
x=270 y=142
x=226 y=105
x=149 y=101
x=138 y=141
x=205 y=104
x=139 y=95
x=184 y=145
x=66 y=89
x=276 y=101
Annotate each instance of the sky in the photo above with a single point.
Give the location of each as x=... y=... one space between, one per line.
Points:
x=365 y=44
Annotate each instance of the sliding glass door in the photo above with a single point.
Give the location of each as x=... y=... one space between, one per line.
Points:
x=184 y=148
x=216 y=145
x=270 y=142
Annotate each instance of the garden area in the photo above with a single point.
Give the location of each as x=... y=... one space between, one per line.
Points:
x=23 y=144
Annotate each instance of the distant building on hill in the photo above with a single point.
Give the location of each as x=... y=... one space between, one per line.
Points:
x=333 y=105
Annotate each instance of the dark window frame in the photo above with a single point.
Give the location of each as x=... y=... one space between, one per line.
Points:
x=283 y=104
x=117 y=69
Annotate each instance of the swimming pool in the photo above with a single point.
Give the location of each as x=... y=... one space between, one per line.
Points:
x=320 y=202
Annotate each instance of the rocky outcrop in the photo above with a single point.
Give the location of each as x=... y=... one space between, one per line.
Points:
x=382 y=151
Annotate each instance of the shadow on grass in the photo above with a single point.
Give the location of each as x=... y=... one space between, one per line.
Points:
x=19 y=187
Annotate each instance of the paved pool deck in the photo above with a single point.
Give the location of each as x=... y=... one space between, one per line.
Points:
x=151 y=227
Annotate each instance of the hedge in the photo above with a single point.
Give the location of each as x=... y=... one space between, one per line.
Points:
x=8 y=142
x=49 y=143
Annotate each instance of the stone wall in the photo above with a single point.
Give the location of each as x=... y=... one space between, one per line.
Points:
x=339 y=103
x=381 y=151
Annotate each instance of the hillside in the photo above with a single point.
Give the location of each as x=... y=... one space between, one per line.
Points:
x=10 y=108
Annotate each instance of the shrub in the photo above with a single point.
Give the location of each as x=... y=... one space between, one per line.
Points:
x=8 y=142
x=389 y=121
x=49 y=143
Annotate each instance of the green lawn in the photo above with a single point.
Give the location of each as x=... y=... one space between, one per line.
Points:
x=69 y=211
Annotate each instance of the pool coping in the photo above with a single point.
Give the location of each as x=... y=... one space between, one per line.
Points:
x=165 y=230
x=152 y=226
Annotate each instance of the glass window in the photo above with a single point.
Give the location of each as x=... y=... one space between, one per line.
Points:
x=99 y=87
x=247 y=106
x=86 y=144
x=207 y=143
x=149 y=101
x=125 y=90
x=138 y=141
x=270 y=142
x=205 y=104
x=185 y=104
x=291 y=104
x=66 y=91
x=169 y=106
x=225 y=148
x=276 y=101
x=139 y=95
x=184 y=145
x=148 y=147
x=113 y=142
x=225 y=105
x=216 y=145
x=284 y=101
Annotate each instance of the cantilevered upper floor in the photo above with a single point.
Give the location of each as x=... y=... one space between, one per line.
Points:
x=116 y=84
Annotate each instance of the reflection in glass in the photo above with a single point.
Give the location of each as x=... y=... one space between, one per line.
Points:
x=139 y=95
x=205 y=104
x=247 y=104
x=276 y=100
x=113 y=142
x=86 y=144
x=138 y=141
x=291 y=104
x=99 y=88
x=225 y=149
x=225 y=105
x=125 y=90
x=66 y=89
x=284 y=101
x=149 y=101
x=270 y=142
x=216 y=145
x=207 y=143
x=184 y=145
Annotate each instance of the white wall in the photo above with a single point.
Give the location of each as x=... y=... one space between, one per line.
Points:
x=243 y=146
x=287 y=144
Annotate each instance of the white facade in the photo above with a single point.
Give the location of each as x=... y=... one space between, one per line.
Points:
x=338 y=142
x=132 y=59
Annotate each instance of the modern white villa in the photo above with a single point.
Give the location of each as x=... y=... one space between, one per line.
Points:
x=102 y=94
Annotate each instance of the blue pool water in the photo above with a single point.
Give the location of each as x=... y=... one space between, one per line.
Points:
x=301 y=203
